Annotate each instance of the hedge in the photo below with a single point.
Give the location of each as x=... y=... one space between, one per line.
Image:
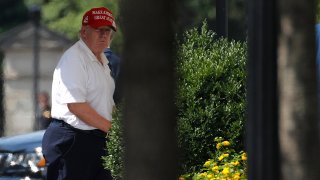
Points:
x=211 y=95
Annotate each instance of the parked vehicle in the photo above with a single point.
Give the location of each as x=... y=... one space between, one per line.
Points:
x=21 y=157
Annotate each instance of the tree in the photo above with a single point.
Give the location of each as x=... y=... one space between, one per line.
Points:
x=12 y=13
x=2 y=115
x=65 y=17
x=298 y=122
x=149 y=115
x=191 y=13
x=318 y=11
x=58 y=15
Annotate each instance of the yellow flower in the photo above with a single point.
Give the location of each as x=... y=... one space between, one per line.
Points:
x=218 y=146
x=215 y=168
x=225 y=171
x=223 y=156
x=209 y=176
x=203 y=174
x=207 y=164
x=226 y=143
x=235 y=163
x=244 y=156
x=181 y=178
x=236 y=176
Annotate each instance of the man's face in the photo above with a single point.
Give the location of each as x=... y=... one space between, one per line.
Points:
x=96 y=39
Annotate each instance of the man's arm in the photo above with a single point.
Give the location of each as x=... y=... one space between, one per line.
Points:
x=88 y=115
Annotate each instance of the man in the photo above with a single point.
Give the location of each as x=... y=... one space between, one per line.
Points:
x=44 y=114
x=82 y=104
x=114 y=62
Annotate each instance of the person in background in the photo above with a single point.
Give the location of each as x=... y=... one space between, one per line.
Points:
x=82 y=104
x=44 y=115
x=114 y=65
x=114 y=62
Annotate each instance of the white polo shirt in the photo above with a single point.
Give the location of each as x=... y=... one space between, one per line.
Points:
x=80 y=77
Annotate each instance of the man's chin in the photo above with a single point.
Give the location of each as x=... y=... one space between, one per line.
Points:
x=100 y=48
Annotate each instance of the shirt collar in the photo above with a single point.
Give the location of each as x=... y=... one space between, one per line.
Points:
x=90 y=53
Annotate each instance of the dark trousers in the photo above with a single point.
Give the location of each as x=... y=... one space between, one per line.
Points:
x=73 y=154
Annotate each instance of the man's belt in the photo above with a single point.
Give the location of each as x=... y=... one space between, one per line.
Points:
x=94 y=132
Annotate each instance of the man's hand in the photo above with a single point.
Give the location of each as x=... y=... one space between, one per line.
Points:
x=88 y=115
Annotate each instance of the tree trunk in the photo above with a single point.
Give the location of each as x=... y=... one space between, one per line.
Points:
x=298 y=123
x=148 y=83
x=2 y=115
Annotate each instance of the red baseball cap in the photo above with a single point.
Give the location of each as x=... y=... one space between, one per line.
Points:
x=97 y=17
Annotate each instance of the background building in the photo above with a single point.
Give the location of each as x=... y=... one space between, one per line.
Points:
x=17 y=46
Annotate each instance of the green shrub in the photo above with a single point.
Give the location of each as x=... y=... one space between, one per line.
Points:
x=210 y=96
x=114 y=160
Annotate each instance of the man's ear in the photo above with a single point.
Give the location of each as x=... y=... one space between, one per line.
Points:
x=83 y=31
